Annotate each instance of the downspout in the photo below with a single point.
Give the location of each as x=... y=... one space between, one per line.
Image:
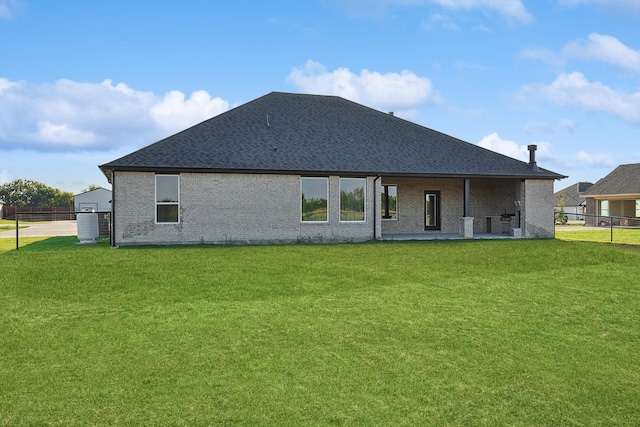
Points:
x=375 y=210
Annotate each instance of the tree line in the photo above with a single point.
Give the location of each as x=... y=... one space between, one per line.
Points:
x=24 y=192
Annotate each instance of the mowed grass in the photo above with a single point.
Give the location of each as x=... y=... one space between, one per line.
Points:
x=540 y=332
x=603 y=235
x=9 y=224
x=6 y=224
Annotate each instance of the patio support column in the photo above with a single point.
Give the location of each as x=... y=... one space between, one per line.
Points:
x=466 y=197
x=466 y=225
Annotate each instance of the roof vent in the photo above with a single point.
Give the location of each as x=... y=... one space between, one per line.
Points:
x=391 y=113
x=532 y=157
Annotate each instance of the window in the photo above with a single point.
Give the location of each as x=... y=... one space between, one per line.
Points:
x=167 y=198
x=315 y=193
x=389 y=202
x=638 y=208
x=432 y=210
x=604 y=207
x=352 y=199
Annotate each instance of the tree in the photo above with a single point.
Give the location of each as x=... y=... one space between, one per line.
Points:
x=91 y=187
x=561 y=217
x=24 y=192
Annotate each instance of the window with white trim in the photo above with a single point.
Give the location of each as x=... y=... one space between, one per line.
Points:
x=352 y=199
x=638 y=208
x=604 y=207
x=167 y=199
x=314 y=199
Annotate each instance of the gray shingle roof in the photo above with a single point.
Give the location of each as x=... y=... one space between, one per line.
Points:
x=317 y=134
x=572 y=195
x=625 y=179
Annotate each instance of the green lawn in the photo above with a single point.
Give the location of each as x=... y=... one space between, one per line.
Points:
x=9 y=224
x=620 y=235
x=504 y=332
x=6 y=224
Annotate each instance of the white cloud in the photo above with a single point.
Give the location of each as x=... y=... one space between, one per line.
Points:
x=5 y=176
x=373 y=9
x=8 y=8
x=495 y=143
x=568 y=125
x=176 y=113
x=605 y=48
x=69 y=115
x=626 y=6
x=6 y=84
x=574 y=90
x=537 y=127
x=510 y=9
x=545 y=55
x=64 y=134
x=596 y=160
x=439 y=20
x=404 y=90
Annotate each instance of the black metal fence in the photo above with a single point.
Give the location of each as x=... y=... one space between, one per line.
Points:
x=609 y=222
x=43 y=225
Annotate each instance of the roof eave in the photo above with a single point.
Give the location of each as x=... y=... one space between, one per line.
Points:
x=108 y=172
x=613 y=195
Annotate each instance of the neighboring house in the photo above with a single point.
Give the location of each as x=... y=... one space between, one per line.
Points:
x=574 y=201
x=295 y=167
x=98 y=200
x=615 y=195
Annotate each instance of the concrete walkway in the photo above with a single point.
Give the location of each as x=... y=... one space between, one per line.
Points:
x=44 y=229
x=442 y=236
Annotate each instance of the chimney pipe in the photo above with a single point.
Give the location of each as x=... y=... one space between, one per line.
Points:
x=532 y=157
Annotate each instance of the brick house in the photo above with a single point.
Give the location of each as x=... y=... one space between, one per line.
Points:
x=295 y=167
x=573 y=199
x=616 y=197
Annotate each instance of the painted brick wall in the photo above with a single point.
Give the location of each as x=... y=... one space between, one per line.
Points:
x=538 y=216
x=411 y=204
x=230 y=208
x=490 y=198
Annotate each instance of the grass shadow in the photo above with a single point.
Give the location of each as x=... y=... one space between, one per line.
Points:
x=48 y=243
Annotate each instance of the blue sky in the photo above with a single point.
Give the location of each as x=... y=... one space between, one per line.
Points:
x=84 y=82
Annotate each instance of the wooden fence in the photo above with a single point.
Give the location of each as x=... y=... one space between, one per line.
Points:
x=38 y=213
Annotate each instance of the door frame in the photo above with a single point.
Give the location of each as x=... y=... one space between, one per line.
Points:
x=434 y=211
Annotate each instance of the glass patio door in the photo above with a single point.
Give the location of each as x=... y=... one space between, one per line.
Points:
x=432 y=210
